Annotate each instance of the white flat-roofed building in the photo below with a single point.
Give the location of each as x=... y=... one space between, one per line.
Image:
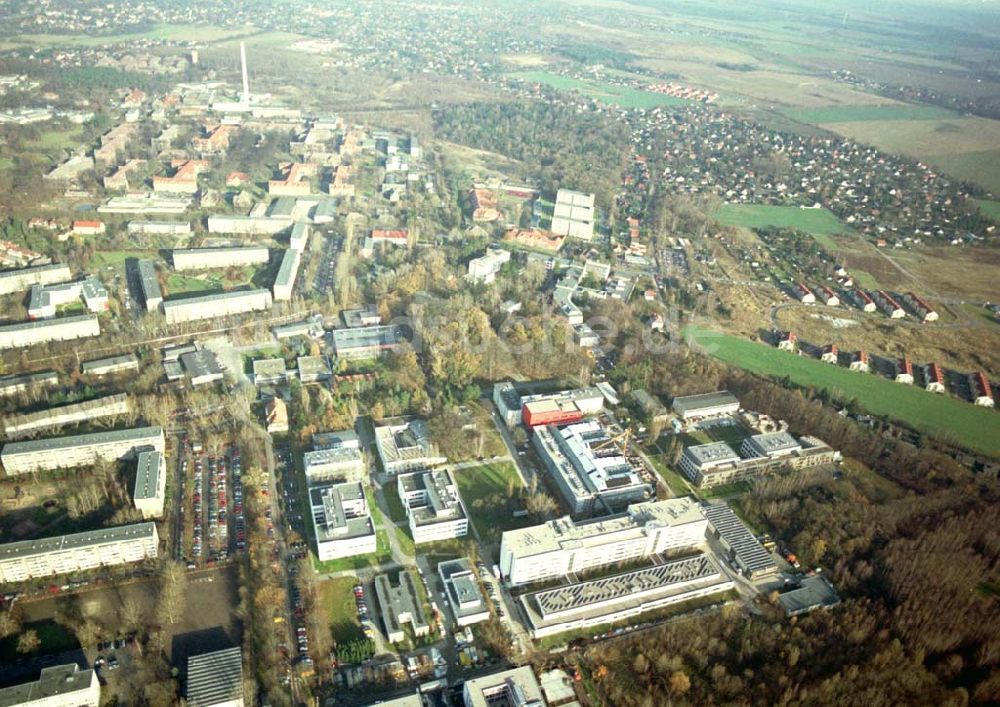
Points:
x=361 y=317
x=207 y=258
x=589 y=469
x=313 y=369
x=400 y=604
x=560 y=547
x=23 y=278
x=113 y=364
x=78 y=450
x=27 y=382
x=771 y=445
x=517 y=687
x=284 y=282
x=148 y=494
x=508 y=402
x=706 y=405
x=336 y=464
x=433 y=506
x=365 y=342
x=149 y=284
x=45 y=300
x=622 y=596
x=108 y=406
x=485 y=268
x=215 y=679
x=222 y=304
x=57 y=686
x=342 y=521
x=699 y=460
x=146 y=203
x=465 y=597
x=248 y=225
x=30 y=333
x=405 y=446
x=268 y=371
x=347 y=439
x=106 y=547
x=159 y=228
x=299 y=238
x=573 y=214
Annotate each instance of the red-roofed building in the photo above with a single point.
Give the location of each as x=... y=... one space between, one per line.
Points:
x=534 y=239
x=805 y=295
x=237 y=179
x=904 y=371
x=184 y=179
x=217 y=140
x=296 y=181
x=88 y=228
x=788 y=341
x=921 y=307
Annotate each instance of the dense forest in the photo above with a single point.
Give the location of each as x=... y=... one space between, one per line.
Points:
x=912 y=542
x=574 y=149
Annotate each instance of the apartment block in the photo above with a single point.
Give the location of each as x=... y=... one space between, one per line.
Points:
x=78 y=450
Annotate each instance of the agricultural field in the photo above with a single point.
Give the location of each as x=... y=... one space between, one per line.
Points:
x=857 y=113
x=819 y=223
x=940 y=416
x=621 y=96
x=193 y=33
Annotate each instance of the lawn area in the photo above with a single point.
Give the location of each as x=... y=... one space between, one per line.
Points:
x=853 y=113
x=621 y=96
x=180 y=284
x=6 y=163
x=337 y=595
x=56 y=139
x=117 y=258
x=945 y=418
x=990 y=209
x=479 y=485
x=675 y=482
x=819 y=223
x=397 y=514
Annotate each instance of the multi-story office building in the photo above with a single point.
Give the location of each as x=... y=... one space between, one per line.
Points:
x=716 y=463
x=405 y=445
x=433 y=506
x=517 y=686
x=207 y=258
x=106 y=547
x=342 y=521
x=78 y=450
x=333 y=464
x=461 y=587
x=560 y=547
x=46 y=330
x=149 y=491
x=57 y=686
x=400 y=604
x=222 y=304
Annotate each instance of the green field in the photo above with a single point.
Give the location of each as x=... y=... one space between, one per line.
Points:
x=6 y=163
x=117 y=258
x=337 y=595
x=990 y=209
x=180 y=284
x=939 y=416
x=621 y=96
x=479 y=483
x=980 y=167
x=51 y=140
x=848 y=113
x=193 y=33
x=819 y=223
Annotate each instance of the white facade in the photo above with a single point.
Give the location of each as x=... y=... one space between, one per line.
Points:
x=23 y=278
x=324 y=465
x=31 y=559
x=284 y=283
x=433 y=506
x=342 y=522
x=41 y=332
x=78 y=450
x=149 y=491
x=485 y=268
x=57 y=686
x=559 y=547
x=247 y=225
x=219 y=305
x=206 y=258
x=18 y=425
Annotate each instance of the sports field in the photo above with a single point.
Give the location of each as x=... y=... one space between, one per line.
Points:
x=939 y=416
x=621 y=96
x=819 y=223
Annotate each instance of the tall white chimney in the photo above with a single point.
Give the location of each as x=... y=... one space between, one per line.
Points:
x=245 y=98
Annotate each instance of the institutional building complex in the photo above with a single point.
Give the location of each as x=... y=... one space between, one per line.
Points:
x=716 y=463
x=342 y=521
x=433 y=506
x=31 y=559
x=405 y=445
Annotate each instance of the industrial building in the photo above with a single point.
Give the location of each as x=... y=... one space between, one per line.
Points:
x=221 y=304
x=433 y=506
x=743 y=548
x=622 y=596
x=112 y=364
x=717 y=463
x=105 y=547
x=366 y=342
x=57 y=686
x=405 y=445
x=704 y=405
x=334 y=464
x=284 y=282
x=215 y=679
x=23 y=278
x=560 y=547
x=74 y=413
x=465 y=597
x=573 y=215
x=207 y=258
x=517 y=687
x=44 y=331
x=149 y=285
x=400 y=604
x=342 y=521
x=78 y=450
x=590 y=468
x=148 y=494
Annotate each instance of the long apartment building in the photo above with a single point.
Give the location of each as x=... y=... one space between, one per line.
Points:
x=284 y=282
x=207 y=258
x=21 y=279
x=149 y=492
x=106 y=547
x=433 y=505
x=78 y=450
x=44 y=331
x=108 y=406
x=589 y=467
x=149 y=284
x=559 y=547
x=222 y=304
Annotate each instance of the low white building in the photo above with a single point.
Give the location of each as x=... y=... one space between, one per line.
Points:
x=334 y=464
x=485 y=268
x=433 y=506
x=465 y=597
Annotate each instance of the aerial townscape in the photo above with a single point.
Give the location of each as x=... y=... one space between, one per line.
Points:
x=620 y=353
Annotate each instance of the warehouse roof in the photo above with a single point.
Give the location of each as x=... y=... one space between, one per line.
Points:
x=213 y=678
x=731 y=529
